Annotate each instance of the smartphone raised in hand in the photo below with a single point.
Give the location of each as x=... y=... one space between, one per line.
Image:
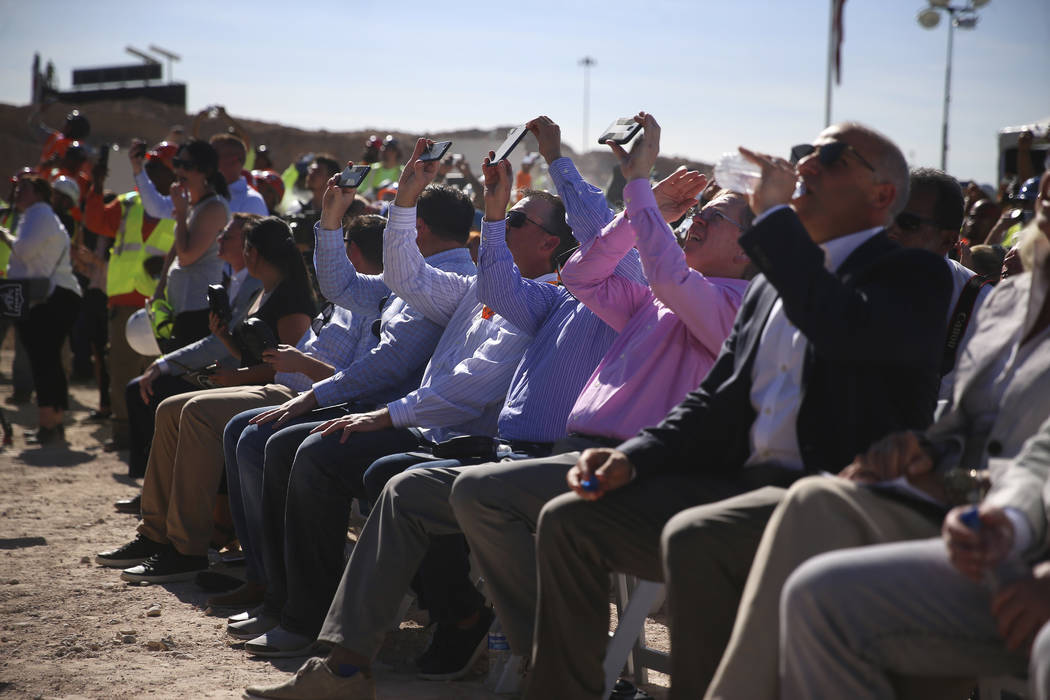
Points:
x=620 y=131
x=352 y=177
x=435 y=151
x=513 y=139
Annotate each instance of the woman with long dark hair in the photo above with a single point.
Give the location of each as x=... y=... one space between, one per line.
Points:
x=201 y=211
x=186 y=459
x=41 y=250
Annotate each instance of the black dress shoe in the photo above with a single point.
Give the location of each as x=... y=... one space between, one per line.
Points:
x=46 y=436
x=129 y=505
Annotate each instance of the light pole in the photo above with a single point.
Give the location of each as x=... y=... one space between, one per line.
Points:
x=586 y=62
x=964 y=17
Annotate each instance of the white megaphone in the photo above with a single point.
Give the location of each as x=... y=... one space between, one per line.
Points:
x=139 y=332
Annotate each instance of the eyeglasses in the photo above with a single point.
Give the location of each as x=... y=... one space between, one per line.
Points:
x=827 y=153
x=911 y=222
x=706 y=215
x=184 y=163
x=517 y=218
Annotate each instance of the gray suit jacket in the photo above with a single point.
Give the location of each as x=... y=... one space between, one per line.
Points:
x=209 y=350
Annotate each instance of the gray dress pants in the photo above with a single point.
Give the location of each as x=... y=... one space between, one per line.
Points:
x=851 y=618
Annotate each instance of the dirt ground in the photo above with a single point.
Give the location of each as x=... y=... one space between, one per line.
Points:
x=72 y=629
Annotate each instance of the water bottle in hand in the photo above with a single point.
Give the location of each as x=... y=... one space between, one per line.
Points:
x=736 y=173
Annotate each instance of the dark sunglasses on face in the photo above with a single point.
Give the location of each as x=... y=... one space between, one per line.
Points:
x=911 y=222
x=184 y=163
x=517 y=218
x=827 y=153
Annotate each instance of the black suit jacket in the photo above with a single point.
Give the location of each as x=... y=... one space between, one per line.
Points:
x=875 y=330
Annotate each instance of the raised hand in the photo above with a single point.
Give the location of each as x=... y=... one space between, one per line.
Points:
x=335 y=201
x=677 y=192
x=777 y=183
x=640 y=161
x=499 y=179
x=548 y=135
x=416 y=176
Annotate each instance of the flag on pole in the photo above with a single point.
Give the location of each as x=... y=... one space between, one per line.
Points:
x=836 y=24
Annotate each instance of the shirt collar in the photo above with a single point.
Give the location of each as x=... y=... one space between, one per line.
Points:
x=239 y=185
x=838 y=249
x=450 y=255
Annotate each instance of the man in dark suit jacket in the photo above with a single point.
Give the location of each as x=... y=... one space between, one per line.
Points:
x=837 y=343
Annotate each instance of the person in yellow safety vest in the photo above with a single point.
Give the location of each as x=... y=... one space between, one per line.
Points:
x=140 y=243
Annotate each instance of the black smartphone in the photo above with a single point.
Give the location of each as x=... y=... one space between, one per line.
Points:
x=513 y=139
x=620 y=131
x=352 y=177
x=219 y=302
x=435 y=151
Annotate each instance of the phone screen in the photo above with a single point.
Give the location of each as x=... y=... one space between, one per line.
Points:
x=352 y=177
x=436 y=151
x=620 y=131
x=513 y=139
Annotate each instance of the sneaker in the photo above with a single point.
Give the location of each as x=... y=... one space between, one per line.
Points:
x=279 y=643
x=135 y=552
x=456 y=650
x=45 y=436
x=132 y=506
x=166 y=567
x=314 y=681
x=253 y=626
x=242 y=616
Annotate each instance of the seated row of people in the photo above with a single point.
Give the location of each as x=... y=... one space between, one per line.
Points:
x=651 y=416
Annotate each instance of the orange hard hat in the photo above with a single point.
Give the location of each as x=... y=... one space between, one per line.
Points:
x=270 y=179
x=164 y=152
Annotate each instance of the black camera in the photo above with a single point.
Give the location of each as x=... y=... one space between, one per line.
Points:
x=219 y=303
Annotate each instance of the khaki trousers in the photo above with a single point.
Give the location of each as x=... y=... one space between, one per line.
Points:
x=186 y=461
x=124 y=365
x=818 y=514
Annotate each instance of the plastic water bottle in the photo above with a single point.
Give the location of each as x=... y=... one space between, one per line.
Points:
x=1011 y=568
x=736 y=173
x=499 y=656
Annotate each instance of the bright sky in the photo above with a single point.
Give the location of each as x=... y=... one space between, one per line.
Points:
x=714 y=74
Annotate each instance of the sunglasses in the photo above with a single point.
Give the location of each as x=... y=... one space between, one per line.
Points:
x=827 y=153
x=184 y=163
x=907 y=221
x=517 y=218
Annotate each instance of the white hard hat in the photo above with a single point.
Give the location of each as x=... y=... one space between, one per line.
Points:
x=139 y=333
x=67 y=186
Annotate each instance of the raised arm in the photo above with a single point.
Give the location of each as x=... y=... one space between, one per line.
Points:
x=436 y=293
x=586 y=208
x=156 y=205
x=524 y=302
x=340 y=282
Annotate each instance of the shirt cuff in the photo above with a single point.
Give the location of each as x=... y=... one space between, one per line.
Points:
x=638 y=195
x=564 y=167
x=327 y=233
x=1022 y=530
x=325 y=391
x=768 y=212
x=493 y=233
x=402 y=217
x=401 y=413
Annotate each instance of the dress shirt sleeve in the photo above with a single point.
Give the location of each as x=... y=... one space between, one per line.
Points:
x=587 y=212
x=436 y=293
x=157 y=205
x=463 y=394
x=702 y=306
x=590 y=275
x=339 y=281
x=1023 y=487
x=406 y=343
x=524 y=302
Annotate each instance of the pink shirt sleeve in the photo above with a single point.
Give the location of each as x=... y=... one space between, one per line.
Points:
x=589 y=275
x=706 y=307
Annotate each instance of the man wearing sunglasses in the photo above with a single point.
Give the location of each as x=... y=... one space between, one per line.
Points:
x=931 y=220
x=837 y=342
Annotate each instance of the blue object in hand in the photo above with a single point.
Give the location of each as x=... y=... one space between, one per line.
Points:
x=589 y=484
x=971 y=518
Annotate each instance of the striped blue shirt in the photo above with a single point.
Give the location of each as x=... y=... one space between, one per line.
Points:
x=407 y=339
x=465 y=384
x=344 y=339
x=569 y=340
